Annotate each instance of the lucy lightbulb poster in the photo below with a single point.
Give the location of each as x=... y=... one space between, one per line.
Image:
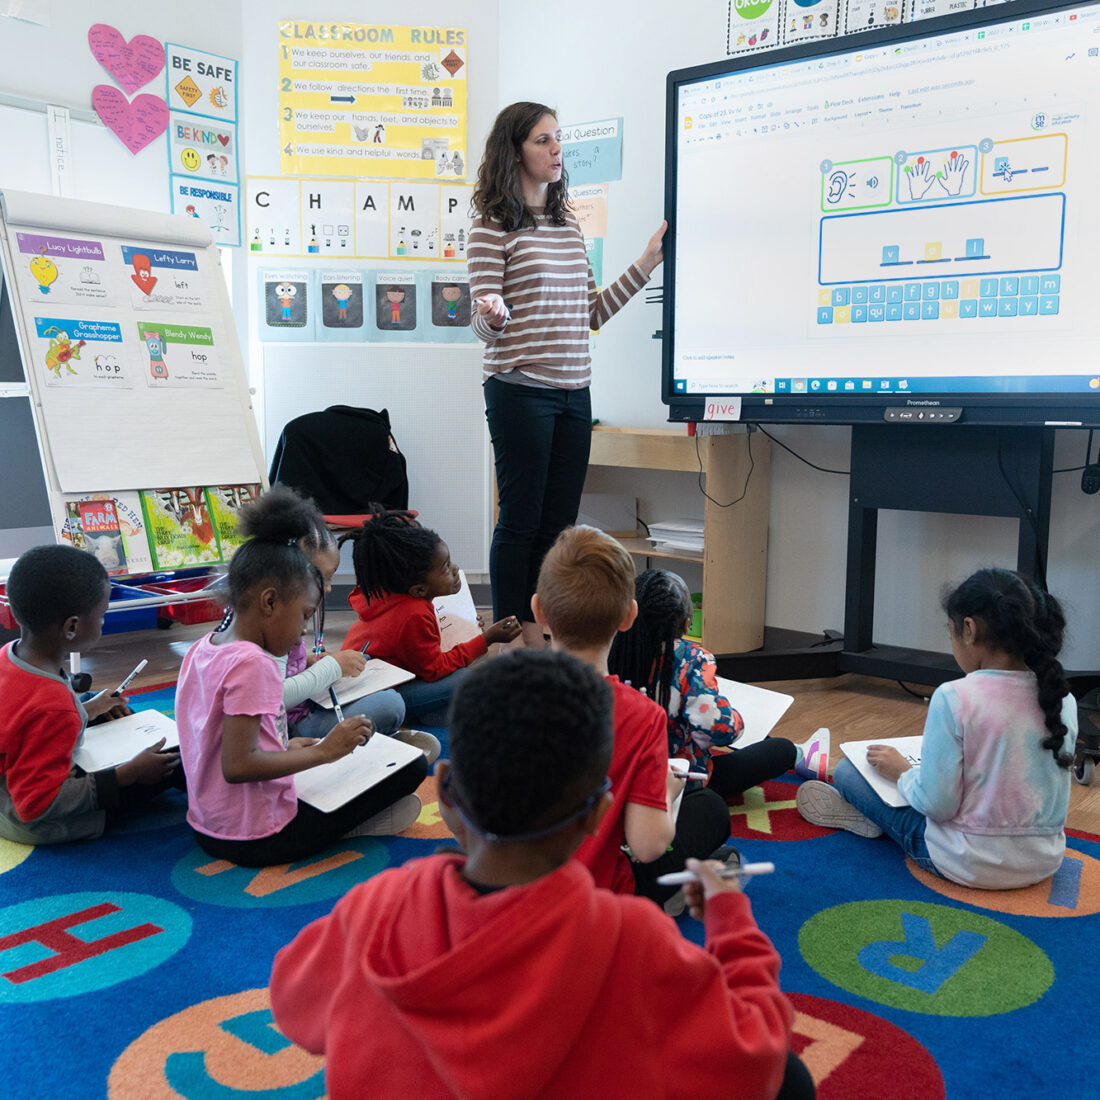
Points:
x=63 y=271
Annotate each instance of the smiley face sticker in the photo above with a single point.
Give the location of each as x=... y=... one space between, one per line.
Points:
x=190 y=159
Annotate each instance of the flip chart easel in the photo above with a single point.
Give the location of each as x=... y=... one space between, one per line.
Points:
x=127 y=349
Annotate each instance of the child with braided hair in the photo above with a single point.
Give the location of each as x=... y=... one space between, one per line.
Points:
x=400 y=567
x=681 y=677
x=988 y=802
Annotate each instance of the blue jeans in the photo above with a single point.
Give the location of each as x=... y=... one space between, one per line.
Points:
x=385 y=709
x=429 y=701
x=902 y=824
x=541 y=439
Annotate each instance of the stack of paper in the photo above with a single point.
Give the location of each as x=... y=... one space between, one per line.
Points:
x=677 y=534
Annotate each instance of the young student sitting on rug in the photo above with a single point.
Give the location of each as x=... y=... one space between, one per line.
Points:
x=586 y=595
x=239 y=761
x=400 y=567
x=681 y=676
x=501 y=970
x=988 y=802
x=306 y=675
x=59 y=597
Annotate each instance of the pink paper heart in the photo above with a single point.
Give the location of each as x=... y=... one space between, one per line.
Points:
x=133 y=64
x=137 y=123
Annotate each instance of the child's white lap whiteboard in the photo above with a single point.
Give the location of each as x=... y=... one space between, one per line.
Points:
x=128 y=344
x=760 y=709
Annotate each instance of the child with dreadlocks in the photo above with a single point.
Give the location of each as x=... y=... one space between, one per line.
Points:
x=400 y=567
x=681 y=676
x=988 y=801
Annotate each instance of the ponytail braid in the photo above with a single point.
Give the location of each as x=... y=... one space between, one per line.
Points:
x=644 y=653
x=1023 y=619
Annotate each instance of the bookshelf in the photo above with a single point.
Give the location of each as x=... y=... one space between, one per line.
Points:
x=735 y=555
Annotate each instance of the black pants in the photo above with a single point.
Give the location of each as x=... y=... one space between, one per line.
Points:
x=797 y=1082
x=311 y=831
x=702 y=825
x=735 y=772
x=541 y=439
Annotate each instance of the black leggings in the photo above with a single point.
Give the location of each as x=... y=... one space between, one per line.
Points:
x=735 y=772
x=311 y=831
x=703 y=824
x=541 y=438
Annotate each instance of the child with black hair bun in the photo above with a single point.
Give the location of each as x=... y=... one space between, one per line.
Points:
x=400 y=567
x=988 y=801
x=681 y=676
x=59 y=597
x=307 y=674
x=240 y=761
x=502 y=970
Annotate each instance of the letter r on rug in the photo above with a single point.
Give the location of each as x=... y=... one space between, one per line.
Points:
x=936 y=964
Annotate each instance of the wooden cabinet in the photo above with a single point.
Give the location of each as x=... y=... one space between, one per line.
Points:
x=735 y=555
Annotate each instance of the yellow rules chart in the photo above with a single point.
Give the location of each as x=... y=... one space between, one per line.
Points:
x=362 y=100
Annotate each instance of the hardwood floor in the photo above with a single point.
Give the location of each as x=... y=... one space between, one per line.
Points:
x=855 y=708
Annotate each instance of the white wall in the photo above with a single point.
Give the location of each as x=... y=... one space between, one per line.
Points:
x=593 y=61
x=432 y=392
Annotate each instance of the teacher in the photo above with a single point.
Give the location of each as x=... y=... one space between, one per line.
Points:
x=536 y=301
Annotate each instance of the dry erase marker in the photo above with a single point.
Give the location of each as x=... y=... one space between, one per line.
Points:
x=126 y=683
x=121 y=687
x=336 y=704
x=746 y=870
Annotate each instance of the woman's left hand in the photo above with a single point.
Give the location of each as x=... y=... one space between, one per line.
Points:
x=653 y=255
x=887 y=761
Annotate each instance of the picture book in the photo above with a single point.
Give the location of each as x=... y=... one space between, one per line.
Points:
x=112 y=743
x=135 y=556
x=886 y=789
x=181 y=530
x=102 y=534
x=226 y=502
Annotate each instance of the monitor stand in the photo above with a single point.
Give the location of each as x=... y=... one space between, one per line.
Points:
x=954 y=468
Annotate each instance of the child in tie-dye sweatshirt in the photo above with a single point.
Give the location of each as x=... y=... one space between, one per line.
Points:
x=988 y=801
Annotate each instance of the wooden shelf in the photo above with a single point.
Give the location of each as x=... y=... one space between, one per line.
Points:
x=644 y=548
x=735 y=558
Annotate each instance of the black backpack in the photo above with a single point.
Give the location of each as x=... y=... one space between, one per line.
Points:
x=344 y=458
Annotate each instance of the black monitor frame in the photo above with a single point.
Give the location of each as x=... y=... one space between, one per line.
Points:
x=1004 y=408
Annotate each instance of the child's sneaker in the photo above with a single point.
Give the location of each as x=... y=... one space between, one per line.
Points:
x=392 y=820
x=821 y=804
x=813 y=756
x=727 y=855
x=426 y=742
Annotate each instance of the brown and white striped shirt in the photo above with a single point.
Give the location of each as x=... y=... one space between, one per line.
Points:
x=544 y=277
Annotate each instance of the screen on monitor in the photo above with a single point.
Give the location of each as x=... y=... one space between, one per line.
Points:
x=902 y=219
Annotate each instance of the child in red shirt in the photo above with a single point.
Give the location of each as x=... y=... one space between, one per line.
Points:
x=501 y=970
x=59 y=597
x=586 y=596
x=400 y=567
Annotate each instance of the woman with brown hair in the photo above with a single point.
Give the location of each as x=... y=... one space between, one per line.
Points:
x=536 y=300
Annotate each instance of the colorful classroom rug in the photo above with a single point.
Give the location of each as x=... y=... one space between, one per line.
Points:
x=135 y=967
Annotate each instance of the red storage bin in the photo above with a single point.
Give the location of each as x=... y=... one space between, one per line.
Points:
x=198 y=611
